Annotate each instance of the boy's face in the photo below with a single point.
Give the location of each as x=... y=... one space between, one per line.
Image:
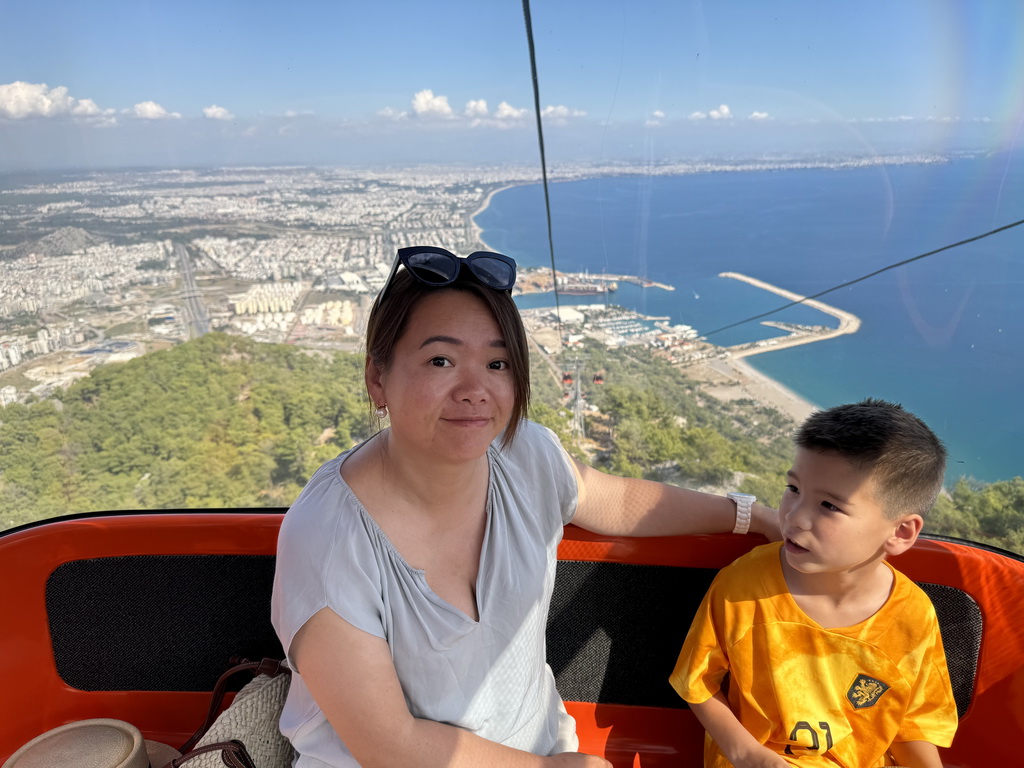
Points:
x=831 y=521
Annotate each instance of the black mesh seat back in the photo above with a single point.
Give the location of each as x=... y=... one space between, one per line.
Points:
x=615 y=631
x=961 y=625
x=173 y=622
x=159 y=622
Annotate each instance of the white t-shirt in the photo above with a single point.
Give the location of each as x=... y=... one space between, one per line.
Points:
x=490 y=676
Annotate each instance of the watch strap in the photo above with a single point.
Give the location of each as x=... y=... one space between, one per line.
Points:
x=744 y=503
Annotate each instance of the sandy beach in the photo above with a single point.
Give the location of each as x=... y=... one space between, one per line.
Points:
x=734 y=379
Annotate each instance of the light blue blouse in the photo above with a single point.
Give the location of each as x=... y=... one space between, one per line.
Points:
x=488 y=676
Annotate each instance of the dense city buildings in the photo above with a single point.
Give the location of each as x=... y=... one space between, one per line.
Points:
x=100 y=267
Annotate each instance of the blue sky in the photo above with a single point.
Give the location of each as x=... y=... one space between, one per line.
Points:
x=185 y=83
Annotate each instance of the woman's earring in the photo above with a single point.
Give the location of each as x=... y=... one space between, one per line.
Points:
x=381 y=411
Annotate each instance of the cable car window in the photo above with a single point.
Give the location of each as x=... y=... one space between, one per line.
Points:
x=755 y=210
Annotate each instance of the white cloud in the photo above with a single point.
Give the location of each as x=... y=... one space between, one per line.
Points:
x=506 y=111
x=476 y=108
x=392 y=114
x=561 y=113
x=722 y=113
x=760 y=116
x=213 y=112
x=150 y=110
x=898 y=119
x=88 y=108
x=655 y=119
x=20 y=100
x=426 y=104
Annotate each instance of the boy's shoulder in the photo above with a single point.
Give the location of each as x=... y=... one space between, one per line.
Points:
x=755 y=573
x=760 y=556
x=906 y=598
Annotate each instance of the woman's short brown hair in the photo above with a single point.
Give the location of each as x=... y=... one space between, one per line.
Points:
x=388 y=320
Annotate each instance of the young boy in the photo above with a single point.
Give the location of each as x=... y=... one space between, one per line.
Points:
x=814 y=651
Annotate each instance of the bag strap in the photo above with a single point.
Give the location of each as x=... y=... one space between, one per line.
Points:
x=269 y=667
x=233 y=753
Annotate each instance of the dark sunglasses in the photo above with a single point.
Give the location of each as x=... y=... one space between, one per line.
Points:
x=437 y=267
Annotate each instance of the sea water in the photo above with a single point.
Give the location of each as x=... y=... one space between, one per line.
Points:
x=943 y=335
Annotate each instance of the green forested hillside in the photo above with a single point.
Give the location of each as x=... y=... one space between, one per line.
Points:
x=656 y=423
x=226 y=422
x=992 y=514
x=218 y=422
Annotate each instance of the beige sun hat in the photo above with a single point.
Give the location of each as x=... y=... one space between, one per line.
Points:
x=100 y=743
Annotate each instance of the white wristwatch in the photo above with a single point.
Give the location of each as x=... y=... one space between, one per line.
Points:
x=743 y=501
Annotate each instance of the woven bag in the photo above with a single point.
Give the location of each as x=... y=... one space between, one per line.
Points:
x=246 y=734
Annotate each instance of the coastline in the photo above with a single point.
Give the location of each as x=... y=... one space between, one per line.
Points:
x=727 y=378
x=730 y=379
x=476 y=229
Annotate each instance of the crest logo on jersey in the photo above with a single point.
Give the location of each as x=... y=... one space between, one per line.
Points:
x=866 y=691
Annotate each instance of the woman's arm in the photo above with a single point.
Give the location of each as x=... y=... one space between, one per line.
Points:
x=735 y=741
x=916 y=754
x=620 y=506
x=350 y=674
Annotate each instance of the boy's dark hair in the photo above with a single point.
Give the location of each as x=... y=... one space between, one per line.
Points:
x=897 y=450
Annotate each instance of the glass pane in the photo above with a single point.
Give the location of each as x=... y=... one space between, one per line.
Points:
x=198 y=204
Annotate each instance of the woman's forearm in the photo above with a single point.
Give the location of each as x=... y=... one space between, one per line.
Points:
x=618 y=506
x=361 y=696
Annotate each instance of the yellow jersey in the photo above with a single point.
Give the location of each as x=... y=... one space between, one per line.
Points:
x=817 y=696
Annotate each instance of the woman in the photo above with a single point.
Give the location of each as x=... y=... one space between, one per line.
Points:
x=414 y=571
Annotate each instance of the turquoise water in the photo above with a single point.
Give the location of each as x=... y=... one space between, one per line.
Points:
x=944 y=336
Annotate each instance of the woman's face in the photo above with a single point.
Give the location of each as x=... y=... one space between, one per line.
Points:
x=449 y=390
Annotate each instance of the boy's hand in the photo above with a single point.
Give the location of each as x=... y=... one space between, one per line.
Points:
x=761 y=757
x=576 y=760
x=735 y=741
x=915 y=754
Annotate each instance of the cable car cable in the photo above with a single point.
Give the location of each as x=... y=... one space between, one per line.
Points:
x=865 y=277
x=543 y=160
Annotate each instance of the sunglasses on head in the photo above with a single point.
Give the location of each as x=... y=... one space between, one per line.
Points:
x=437 y=267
